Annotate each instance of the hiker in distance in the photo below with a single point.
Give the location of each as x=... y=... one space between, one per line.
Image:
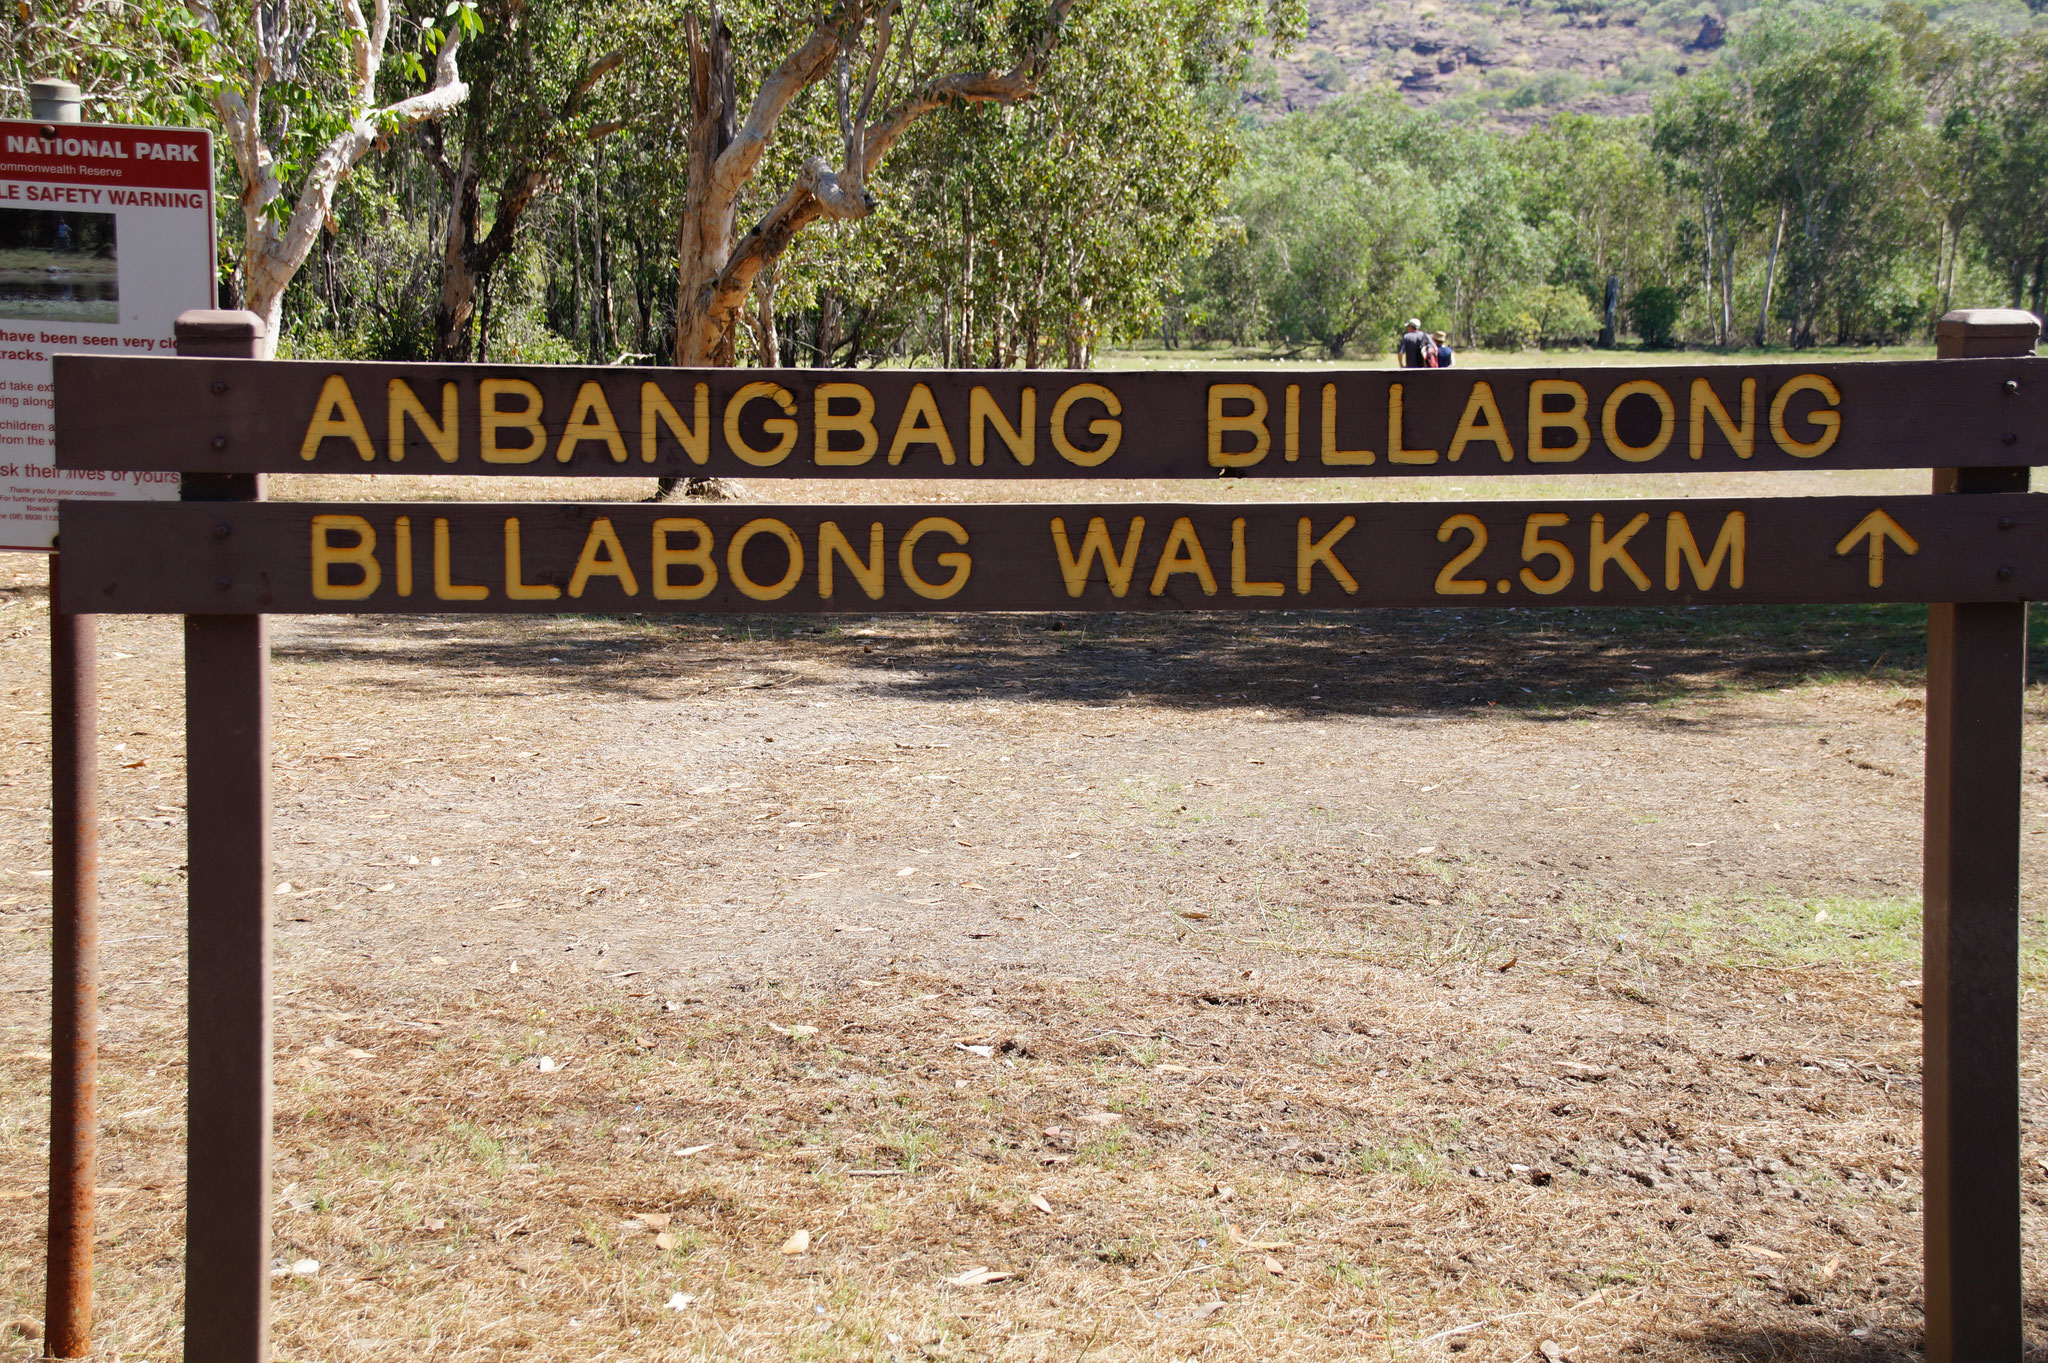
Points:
x=1417 y=350
x=1443 y=349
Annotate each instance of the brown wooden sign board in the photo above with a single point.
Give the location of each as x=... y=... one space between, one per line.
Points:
x=297 y=558
x=225 y=559
x=217 y=415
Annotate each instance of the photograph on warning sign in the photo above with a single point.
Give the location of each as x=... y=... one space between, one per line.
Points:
x=58 y=266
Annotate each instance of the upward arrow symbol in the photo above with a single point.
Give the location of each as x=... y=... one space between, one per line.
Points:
x=1877 y=527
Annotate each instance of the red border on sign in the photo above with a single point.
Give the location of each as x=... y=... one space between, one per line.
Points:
x=106 y=154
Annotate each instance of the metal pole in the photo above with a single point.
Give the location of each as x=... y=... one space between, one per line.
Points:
x=227 y=753
x=74 y=976
x=53 y=101
x=1976 y=683
x=74 y=929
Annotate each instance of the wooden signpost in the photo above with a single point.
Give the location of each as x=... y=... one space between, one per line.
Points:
x=224 y=559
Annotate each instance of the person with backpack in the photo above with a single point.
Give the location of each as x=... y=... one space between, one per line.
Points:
x=1415 y=348
x=1443 y=350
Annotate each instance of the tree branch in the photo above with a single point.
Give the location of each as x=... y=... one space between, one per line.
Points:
x=799 y=70
x=597 y=71
x=819 y=190
x=339 y=156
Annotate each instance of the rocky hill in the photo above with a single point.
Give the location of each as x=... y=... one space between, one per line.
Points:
x=1508 y=64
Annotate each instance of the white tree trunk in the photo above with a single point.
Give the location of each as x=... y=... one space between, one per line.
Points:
x=716 y=268
x=273 y=251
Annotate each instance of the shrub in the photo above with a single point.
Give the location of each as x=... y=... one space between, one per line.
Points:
x=1653 y=313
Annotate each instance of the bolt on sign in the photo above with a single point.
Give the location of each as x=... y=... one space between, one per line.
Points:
x=106 y=235
x=225 y=563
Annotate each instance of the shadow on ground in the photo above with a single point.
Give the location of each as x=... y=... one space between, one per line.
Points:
x=1555 y=663
x=1779 y=1344
x=1728 y=1343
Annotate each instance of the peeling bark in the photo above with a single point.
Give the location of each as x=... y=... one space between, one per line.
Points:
x=466 y=257
x=718 y=269
x=1763 y=314
x=277 y=241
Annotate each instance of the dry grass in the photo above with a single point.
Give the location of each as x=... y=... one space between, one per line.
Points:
x=1519 y=977
x=1347 y=1181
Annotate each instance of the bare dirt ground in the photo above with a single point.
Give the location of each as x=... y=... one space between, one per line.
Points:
x=1387 y=986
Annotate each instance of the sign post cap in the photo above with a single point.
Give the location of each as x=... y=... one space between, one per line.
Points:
x=54 y=101
x=218 y=324
x=1969 y=333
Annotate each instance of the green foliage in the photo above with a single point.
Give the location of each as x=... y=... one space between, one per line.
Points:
x=1329 y=73
x=1653 y=312
x=137 y=61
x=1842 y=170
x=1351 y=217
x=1031 y=234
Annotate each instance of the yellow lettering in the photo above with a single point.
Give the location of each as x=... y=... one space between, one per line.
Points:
x=1667 y=421
x=929 y=430
x=860 y=421
x=698 y=557
x=1706 y=402
x=1535 y=546
x=334 y=413
x=1572 y=418
x=445 y=436
x=1830 y=422
x=516 y=588
x=1183 y=554
x=492 y=420
x=1022 y=438
x=591 y=419
x=613 y=564
x=1252 y=423
x=1331 y=454
x=1606 y=551
x=961 y=564
x=781 y=427
x=1396 y=454
x=1729 y=545
x=361 y=555
x=694 y=438
x=1111 y=431
x=1293 y=422
x=1494 y=430
x=1308 y=552
x=1448 y=583
x=404 y=529
x=832 y=543
x=1239 y=586
x=445 y=587
x=735 y=559
x=1095 y=544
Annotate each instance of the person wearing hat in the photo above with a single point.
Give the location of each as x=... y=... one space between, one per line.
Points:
x=1415 y=346
x=1443 y=349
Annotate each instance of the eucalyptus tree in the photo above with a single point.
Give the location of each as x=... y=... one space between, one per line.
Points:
x=1597 y=185
x=1706 y=131
x=544 y=78
x=851 y=79
x=1960 y=73
x=1343 y=253
x=302 y=96
x=1832 y=109
x=1038 y=230
x=2007 y=197
x=130 y=58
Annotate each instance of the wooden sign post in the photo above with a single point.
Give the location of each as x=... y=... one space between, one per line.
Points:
x=227 y=803
x=1976 y=550
x=1970 y=1114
